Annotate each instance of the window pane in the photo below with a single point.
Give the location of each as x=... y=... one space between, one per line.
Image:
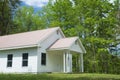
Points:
x=25 y=55
x=10 y=57
x=25 y=63
x=43 y=59
x=25 y=59
x=9 y=64
x=9 y=60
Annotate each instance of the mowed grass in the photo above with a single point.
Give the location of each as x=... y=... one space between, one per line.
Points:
x=58 y=76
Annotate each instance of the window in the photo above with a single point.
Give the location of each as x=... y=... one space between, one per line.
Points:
x=9 y=60
x=43 y=59
x=25 y=59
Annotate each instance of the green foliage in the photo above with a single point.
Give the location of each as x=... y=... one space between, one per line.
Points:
x=7 y=8
x=27 y=20
x=60 y=13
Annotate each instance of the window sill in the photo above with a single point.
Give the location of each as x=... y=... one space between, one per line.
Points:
x=43 y=65
x=9 y=67
x=24 y=66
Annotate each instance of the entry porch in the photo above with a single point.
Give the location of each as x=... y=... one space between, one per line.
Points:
x=60 y=55
x=61 y=61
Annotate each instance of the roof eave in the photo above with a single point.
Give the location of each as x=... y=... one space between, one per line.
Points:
x=54 y=49
x=19 y=47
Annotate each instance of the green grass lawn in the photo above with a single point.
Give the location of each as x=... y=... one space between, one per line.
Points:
x=56 y=76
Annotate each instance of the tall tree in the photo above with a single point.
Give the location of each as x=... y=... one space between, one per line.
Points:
x=26 y=19
x=7 y=8
x=117 y=15
x=60 y=13
x=95 y=17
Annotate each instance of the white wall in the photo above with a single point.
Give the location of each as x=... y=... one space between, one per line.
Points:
x=17 y=61
x=55 y=62
x=44 y=46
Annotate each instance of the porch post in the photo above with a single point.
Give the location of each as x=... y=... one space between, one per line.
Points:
x=64 y=62
x=67 y=62
x=70 y=61
x=81 y=62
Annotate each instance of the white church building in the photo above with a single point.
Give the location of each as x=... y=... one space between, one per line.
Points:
x=38 y=51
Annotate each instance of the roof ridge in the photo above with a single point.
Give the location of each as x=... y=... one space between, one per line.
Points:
x=29 y=31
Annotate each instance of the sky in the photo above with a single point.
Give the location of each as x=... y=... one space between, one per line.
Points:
x=39 y=3
x=35 y=3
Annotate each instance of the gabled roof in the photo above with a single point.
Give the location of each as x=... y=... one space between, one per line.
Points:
x=63 y=43
x=26 y=39
x=67 y=43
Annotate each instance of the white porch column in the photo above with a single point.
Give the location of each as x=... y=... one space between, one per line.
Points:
x=67 y=61
x=64 y=62
x=81 y=65
x=70 y=61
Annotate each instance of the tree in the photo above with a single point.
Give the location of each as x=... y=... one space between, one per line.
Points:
x=96 y=17
x=26 y=19
x=60 y=13
x=117 y=15
x=7 y=8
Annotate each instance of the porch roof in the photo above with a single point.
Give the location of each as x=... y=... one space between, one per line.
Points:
x=68 y=43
